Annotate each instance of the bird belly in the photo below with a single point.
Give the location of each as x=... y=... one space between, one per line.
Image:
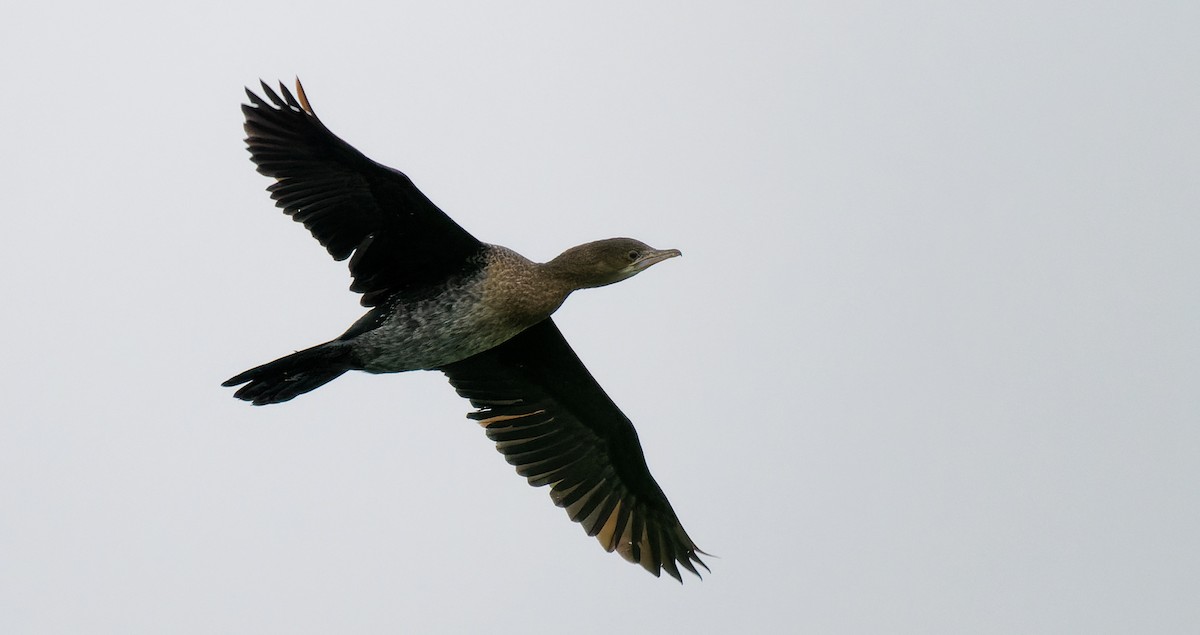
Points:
x=431 y=333
x=465 y=317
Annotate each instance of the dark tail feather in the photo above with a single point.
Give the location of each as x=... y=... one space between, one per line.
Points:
x=296 y=374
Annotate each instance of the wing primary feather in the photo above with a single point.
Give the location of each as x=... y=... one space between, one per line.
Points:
x=587 y=505
x=669 y=557
x=650 y=551
x=636 y=537
x=686 y=561
x=596 y=521
x=288 y=98
x=620 y=525
x=304 y=98
x=271 y=95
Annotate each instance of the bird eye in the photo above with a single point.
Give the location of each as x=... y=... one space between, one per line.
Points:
x=633 y=254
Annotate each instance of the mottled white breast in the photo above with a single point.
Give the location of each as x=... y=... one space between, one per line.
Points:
x=468 y=316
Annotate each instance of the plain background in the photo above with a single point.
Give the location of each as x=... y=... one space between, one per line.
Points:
x=929 y=364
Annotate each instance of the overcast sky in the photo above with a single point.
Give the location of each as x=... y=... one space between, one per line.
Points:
x=930 y=362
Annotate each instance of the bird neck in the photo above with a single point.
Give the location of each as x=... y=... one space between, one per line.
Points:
x=576 y=268
x=562 y=273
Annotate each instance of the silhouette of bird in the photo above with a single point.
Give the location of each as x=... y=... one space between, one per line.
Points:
x=442 y=300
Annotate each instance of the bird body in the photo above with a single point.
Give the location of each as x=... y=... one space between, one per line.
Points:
x=480 y=313
x=499 y=294
x=466 y=315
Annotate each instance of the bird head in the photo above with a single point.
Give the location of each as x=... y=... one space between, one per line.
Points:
x=604 y=262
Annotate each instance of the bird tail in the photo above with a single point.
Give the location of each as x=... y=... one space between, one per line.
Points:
x=296 y=374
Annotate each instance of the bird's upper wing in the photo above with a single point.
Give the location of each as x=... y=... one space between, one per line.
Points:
x=551 y=420
x=351 y=204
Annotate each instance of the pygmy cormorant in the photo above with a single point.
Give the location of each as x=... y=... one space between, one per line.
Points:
x=480 y=313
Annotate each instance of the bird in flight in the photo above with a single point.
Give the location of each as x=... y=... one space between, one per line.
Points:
x=442 y=300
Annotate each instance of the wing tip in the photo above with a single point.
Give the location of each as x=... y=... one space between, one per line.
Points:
x=299 y=102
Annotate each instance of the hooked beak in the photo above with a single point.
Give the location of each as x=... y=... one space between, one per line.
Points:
x=654 y=257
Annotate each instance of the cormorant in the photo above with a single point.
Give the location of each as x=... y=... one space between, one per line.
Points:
x=442 y=300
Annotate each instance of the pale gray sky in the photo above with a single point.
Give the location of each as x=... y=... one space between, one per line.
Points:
x=929 y=364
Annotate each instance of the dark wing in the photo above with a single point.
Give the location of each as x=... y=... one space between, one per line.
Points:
x=551 y=420
x=351 y=204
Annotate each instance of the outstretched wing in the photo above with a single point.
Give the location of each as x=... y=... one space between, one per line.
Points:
x=351 y=204
x=551 y=420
